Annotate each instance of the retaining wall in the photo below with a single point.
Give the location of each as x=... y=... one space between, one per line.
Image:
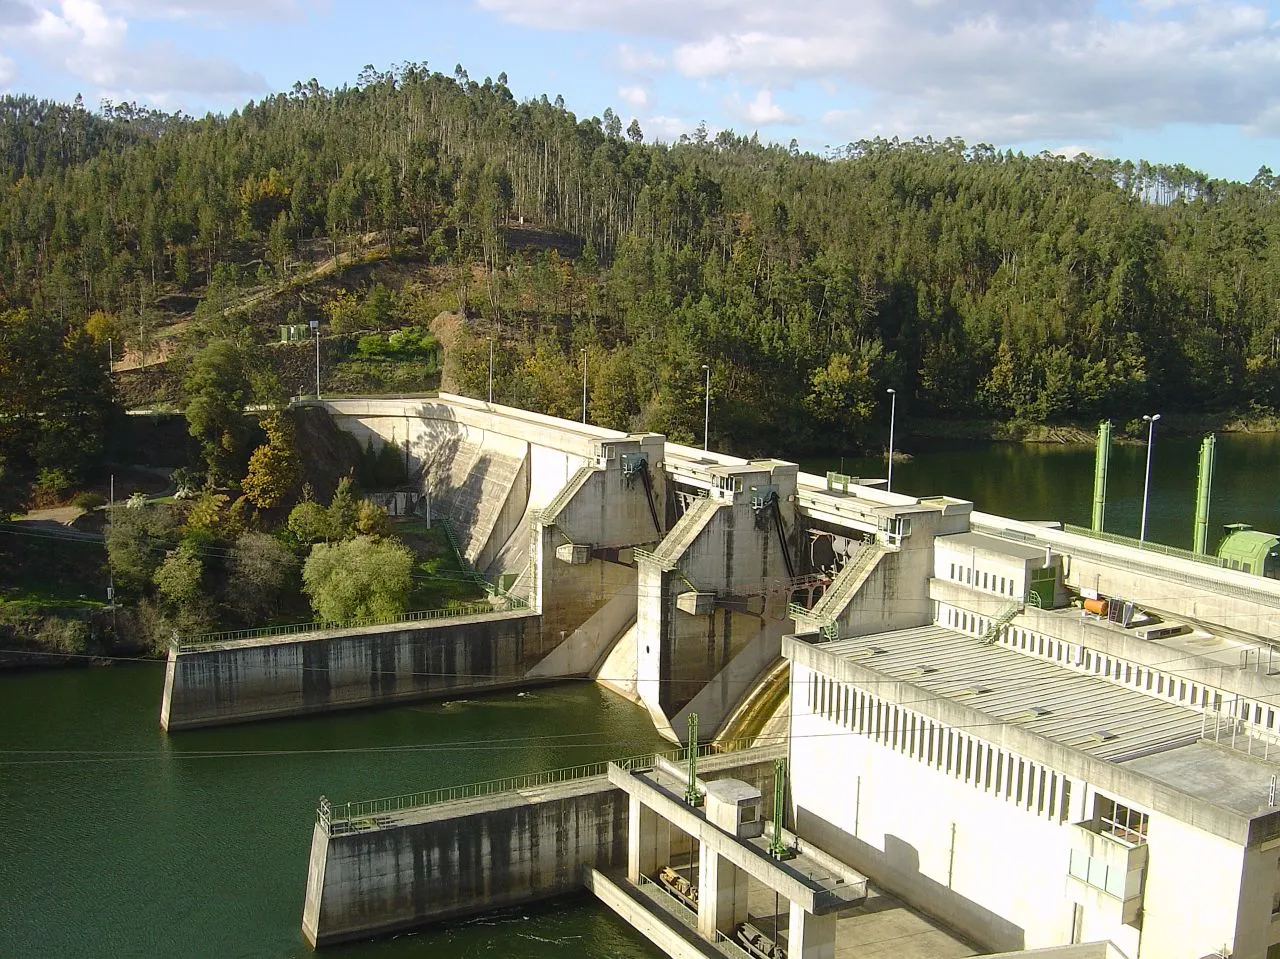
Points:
x=475 y=855
x=370 y=666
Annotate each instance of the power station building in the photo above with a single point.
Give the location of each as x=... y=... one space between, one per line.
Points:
x=1078 y=745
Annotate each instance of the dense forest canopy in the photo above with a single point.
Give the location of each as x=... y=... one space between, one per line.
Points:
x=976 y=282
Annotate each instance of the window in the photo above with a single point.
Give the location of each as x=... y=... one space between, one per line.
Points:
x=1119 y=820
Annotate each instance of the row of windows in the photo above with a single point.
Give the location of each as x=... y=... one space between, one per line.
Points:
x=981 y=579
x=1142 y=678
x=1029 y=785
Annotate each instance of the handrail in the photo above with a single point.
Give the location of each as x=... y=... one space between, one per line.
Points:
x=293 y=629
x=370 y=814
x=1146 y=545
x=1097 y=556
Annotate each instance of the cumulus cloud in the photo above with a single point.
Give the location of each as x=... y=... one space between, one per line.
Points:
x=217 y=9
x=1002 y=70
x=88 y=41
x=639 y=61
x=665 y=128
x=1074 y=150
x=761 y=111
x=16 y=13
x=635 y=96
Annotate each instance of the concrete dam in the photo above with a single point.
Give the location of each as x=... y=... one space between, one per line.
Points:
x=668 y=574
x=1095 y=696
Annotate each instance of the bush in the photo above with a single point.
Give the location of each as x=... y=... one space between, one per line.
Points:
x=363 y=578
x=89 y=500
x=52 y=482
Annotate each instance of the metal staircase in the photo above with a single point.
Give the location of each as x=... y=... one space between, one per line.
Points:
x=1003 y=619
x=825 y=611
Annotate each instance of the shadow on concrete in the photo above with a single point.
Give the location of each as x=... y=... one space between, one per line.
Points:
x=896 y=868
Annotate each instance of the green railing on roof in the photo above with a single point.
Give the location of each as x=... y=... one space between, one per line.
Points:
x=369 y=814
x=1146 y=546
x=510 y=603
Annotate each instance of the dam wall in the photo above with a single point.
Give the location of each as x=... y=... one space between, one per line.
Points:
x=265 y=678
x=400 y=869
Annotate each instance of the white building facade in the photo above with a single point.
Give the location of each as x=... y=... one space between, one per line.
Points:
x=1034 y=777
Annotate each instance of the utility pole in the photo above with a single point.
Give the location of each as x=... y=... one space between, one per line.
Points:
x=315 y=328
x=893 y=411
x=1146 y=483
x=706 y=409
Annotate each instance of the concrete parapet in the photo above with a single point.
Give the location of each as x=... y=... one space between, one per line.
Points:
x=475 y=855
x=462 y=858
x=267 y=678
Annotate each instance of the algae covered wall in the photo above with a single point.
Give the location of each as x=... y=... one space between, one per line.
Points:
x=369 y=666
x=504 y=852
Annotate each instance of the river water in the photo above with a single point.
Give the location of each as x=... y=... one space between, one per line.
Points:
x=117 y=840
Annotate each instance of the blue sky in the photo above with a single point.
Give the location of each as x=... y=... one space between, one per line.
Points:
x=1177 y=81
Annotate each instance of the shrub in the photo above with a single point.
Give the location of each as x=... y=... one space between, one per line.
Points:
x=88 y=500
x=363 y=578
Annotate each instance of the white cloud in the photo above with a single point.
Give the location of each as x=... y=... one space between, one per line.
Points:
x=8 y=71
x=639 y=61
x=635 y=96
x=665 y=128
x=214 y=9
x=761 y=111
x=999 y=70
x=85 y=39
x=1073 y=150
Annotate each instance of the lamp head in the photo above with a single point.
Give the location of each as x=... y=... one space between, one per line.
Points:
x=891 y=391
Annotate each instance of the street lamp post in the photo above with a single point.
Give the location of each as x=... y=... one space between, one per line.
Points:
x=893 y=412
x=706 y=408
x=584 y=385
x=491 y=370
x=315 y=328
x=1146 y=483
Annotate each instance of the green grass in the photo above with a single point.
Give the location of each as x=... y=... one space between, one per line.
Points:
x=439 y=580
x=45 y=573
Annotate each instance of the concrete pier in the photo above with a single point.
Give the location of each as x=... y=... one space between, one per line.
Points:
x=380 y=869
x=245 y=680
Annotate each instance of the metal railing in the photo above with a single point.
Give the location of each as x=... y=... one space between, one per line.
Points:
x=295 y=629
x=366 y=815
x=1003 y=619
x=1176 y=576
x=1146 y=546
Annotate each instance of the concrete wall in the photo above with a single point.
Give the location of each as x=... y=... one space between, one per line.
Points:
x=733 y=553
x=463 y=858
x=1192 y=897
x=370 y=666
x=965 y=848
x=477 y=855
x=990 y=871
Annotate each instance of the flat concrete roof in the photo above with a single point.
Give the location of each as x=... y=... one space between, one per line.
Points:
x=1214 y=773
x=812 y=880
x=992 y=544
x=1101 y=719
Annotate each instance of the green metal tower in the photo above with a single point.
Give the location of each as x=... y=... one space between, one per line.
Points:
x=1101 y=463
x=691 y=794
x=777 y=848
x=1204 y=485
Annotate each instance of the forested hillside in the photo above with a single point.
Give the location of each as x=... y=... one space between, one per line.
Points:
x=977 y=283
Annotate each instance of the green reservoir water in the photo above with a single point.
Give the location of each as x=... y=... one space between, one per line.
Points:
x=1053 y=482
x=119 y=841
